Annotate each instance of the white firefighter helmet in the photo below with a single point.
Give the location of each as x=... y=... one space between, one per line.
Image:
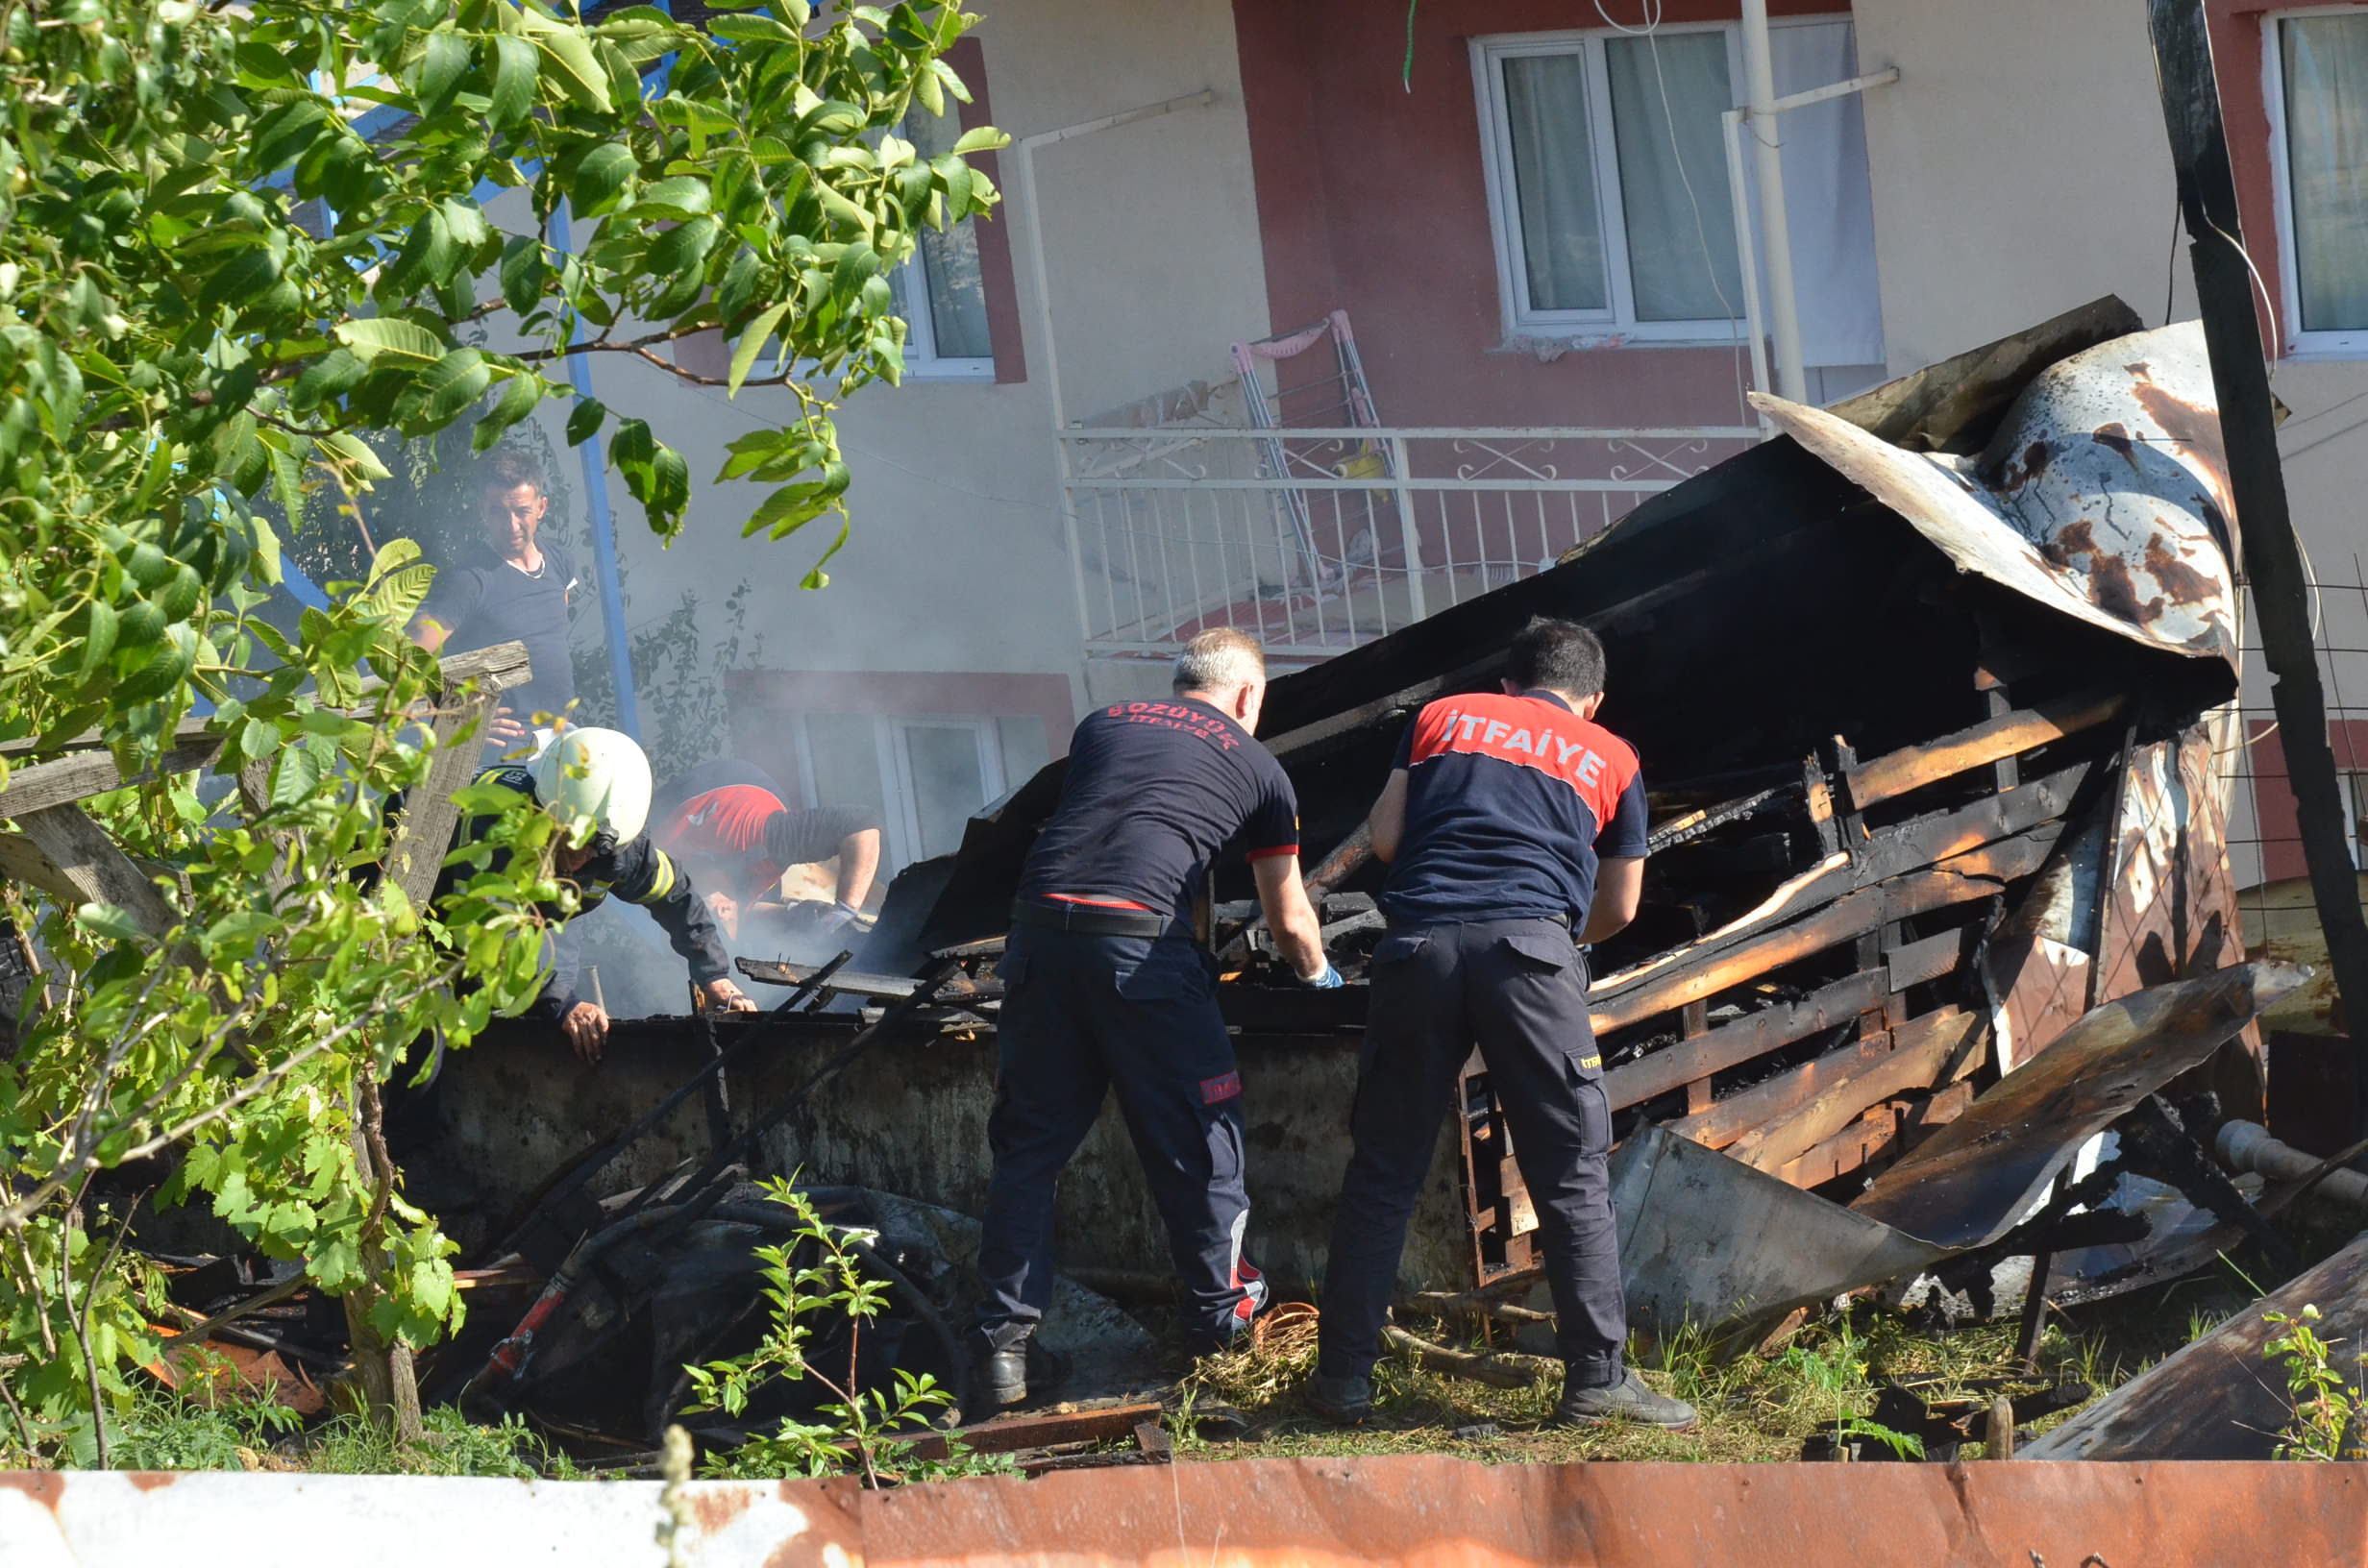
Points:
x=596 y=774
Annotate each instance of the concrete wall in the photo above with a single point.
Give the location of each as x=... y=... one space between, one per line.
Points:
x=910 y=1117
x=957 y=559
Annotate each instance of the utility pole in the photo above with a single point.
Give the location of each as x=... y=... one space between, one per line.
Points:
x=2273 y=561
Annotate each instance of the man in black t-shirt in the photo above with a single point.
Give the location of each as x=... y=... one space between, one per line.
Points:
x=1106 y=989
x=1513 y=827
x=509 y=588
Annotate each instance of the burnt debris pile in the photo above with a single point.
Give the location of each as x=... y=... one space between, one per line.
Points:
x=1937 y=981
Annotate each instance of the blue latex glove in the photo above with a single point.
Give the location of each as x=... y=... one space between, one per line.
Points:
x=1329 y=980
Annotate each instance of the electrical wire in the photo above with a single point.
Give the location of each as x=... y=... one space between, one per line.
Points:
x=1668 y=120
x=1651 y=10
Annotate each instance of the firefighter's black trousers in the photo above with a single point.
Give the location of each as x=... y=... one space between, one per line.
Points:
x=1518 y=989
x=1084 y=1015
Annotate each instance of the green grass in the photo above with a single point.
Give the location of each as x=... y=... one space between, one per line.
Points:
x=1753 y=1407
x=163 y=1431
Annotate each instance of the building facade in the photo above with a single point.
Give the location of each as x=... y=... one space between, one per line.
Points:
x=1500 y=262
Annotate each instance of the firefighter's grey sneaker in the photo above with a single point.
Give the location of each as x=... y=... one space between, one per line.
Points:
x=1344 y=1399
x=1627 y=1400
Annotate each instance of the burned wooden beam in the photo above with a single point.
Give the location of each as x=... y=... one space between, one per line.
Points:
x=1731 y=1045
x=2247 y=426
x=1932 y=1052
x=2221 y=1397
x=1896 y=772
x=1927 y=841
x=1959 y=880
x=1730 y=1118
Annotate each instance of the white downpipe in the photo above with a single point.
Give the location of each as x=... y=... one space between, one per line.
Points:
x=1747 y=253
x=1775 y=228
x=1031 y=219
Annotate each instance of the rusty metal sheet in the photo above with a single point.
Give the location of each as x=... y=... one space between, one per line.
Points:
x=1397 y=1509
x=2221 y=1397
x=2103 y=494
x=1706 y=1239
x=1976 y=1176
x=1438 y=1511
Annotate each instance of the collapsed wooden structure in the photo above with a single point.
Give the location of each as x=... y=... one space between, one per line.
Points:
x=1930 y=696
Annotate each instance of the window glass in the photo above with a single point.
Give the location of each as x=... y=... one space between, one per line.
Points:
x=1554 y=182
x=844 y=754
x=1667 y=94
x=944 y=278
x=2324 y=62
x=1024 y=751
x=948 y=781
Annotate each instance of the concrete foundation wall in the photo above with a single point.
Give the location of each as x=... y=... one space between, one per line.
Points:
x=910 y=1117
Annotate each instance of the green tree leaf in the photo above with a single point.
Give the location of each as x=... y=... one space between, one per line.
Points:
x=568 y=60
x=753 y=343
x=515 y=73
x=394 y=338
x=600 y=177
x=442 y=64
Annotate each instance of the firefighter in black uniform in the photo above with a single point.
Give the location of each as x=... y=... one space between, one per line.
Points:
x=597 y=781
x=1513 y=826
x=1108 y=990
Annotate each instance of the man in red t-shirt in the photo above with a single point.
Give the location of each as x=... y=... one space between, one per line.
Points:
x=724 y=820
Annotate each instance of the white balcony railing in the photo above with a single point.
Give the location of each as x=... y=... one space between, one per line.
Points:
x=1318 y=539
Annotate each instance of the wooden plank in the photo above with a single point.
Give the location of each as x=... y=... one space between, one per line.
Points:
x=1730 y=1118
x=954 y=989
x=1911 y=768
x=503 y=663
x=1013 y=1433
x=1919 y=962
x=95 y=867
x=93 y=771
x=23 y=860
x=44 y=785
x=1868 y=909
x=1845 y=1151
x=1925 y=841
x=1938 y=1048
x=1731 y=1045
x=430 y=818
x=1744 y=950
x=2221 y=1397
x=2246 y=422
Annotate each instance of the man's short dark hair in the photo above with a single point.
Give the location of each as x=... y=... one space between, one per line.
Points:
x=1560 y=655
x=508 y=470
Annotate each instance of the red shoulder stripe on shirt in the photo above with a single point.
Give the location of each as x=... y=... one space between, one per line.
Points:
x=1532 y=733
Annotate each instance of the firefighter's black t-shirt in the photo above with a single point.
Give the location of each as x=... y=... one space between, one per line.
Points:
x=483 y=600
x=1156 y=791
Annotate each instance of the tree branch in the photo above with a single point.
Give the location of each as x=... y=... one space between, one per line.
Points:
x=227 y=1317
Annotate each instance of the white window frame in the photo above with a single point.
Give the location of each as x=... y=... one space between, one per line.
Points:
x=921 y=356
x=912 y=285
x=2349 y=343
x=1619 y=317
x=900 y=807
x=896 y=762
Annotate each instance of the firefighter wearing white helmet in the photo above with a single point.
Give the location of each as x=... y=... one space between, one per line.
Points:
x=596 y=782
